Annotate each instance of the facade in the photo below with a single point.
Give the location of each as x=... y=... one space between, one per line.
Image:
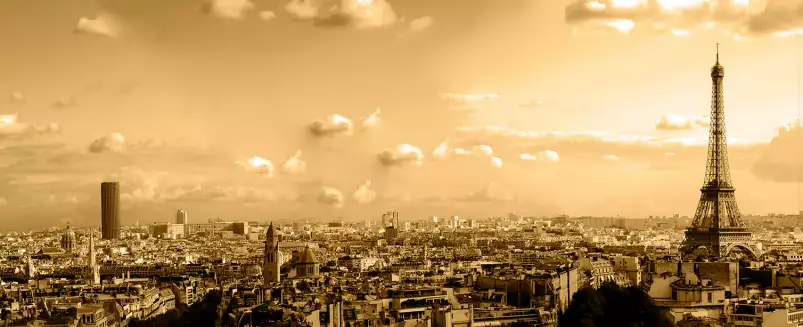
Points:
x=181 y=217
x=110 y=210
x=271 y=268
x=308 y=265
x=93 y=269
x=68 y=239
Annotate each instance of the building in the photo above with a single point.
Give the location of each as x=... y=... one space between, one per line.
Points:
x=168 y=230
x=271 y=267
x=240 y=228
x=181 y=217
x=110 y=210
x=93 y=269
x=308 y=265
x=68 y=239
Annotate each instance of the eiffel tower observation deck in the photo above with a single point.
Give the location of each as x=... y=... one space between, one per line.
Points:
x=718 y=228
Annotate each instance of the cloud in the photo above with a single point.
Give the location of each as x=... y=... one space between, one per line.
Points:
x=114 y=142
x=11 y=128
x=469 y=101
x=491 y=192
x=267 y=15
x=65 y=103
x=16 y=97
x=229 y=9
x=420 y=24
x=101 y=25
x=257 y=165
x=294 y=165
x=401 y=154
x=441 y=151
x=496 y=162
x=672 y=122
x=546 y=155
x=361 y=14
x=364 y=194
x=330 y=196
x=331 y=125
x=782 y=160
x=372 y=120
x=736 y=18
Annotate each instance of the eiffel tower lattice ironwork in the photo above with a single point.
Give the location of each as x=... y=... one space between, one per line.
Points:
x=718 y=226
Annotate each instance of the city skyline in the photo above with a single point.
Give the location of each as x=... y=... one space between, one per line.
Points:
x=183 y=103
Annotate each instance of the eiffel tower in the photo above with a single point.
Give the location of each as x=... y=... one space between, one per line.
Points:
x=717 y=226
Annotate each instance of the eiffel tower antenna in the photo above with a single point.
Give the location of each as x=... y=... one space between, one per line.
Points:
x=717 y=223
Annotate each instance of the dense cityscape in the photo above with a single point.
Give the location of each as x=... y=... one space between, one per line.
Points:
x=401 y=163
x=717 y=268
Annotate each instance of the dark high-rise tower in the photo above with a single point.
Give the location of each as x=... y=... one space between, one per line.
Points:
x=110 y=210
x=718 y=225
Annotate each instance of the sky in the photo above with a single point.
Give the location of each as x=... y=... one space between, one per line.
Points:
x=265 y=110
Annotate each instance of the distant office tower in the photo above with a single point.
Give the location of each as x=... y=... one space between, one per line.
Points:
x=110 y=210
x=181 y=217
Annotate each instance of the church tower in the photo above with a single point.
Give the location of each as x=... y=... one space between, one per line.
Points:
x=93 y=270
x=271 y=264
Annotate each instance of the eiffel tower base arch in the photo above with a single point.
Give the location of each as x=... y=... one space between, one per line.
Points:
x=719 y=244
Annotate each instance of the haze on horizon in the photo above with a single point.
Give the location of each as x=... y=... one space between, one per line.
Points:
x=266 y=109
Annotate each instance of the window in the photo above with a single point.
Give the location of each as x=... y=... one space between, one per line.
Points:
x=710 y=297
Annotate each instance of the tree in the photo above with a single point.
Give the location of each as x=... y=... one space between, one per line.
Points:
x=612 y=306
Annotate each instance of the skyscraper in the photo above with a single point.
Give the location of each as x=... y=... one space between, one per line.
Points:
x=110 y=210
x=181 y=217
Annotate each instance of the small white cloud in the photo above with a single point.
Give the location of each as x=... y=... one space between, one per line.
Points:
x=670 y=122
x=294 y=164
x=229 y=9
x=401 y=154
x=441 y=151
x=267 y=15
x=611 y=158
x=257 y=165
x=101 y=25
x=546 y=155
x=331 y=125
x=362 y=14
x=302 y=9
x=330 y=196
x=373 y=120
x=364 y=194
x=420 y=24
x=114 y=142
x=496 y=162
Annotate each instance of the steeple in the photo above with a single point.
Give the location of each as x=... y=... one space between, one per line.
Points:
x=271 y=231
x=271 y=264
x=93 y=270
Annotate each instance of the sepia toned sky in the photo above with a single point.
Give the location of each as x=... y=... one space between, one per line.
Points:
x=344 y=109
